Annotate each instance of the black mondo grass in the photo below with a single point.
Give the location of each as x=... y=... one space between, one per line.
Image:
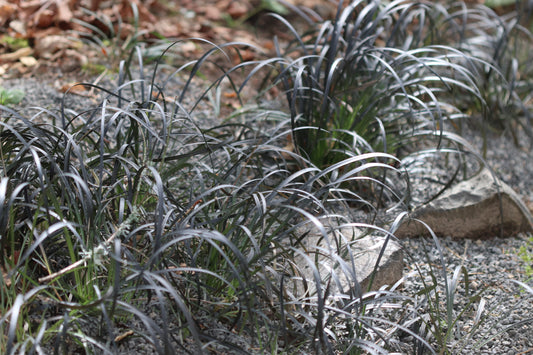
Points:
x=131 y=209
x=502 y=46
x=371 y=80
x=139 y=225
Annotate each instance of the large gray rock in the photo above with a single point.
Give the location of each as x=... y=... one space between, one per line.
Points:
x=481 y=207
x=343 y=255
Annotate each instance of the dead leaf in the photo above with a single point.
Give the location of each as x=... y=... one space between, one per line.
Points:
x=144 y=13
x=188 y=47
x=222 y=5
x=76 y=89
x=212 y=13
x=237 y=10
x=43 y=18
x=123 y=336
x=30 y=6
x=47 y=46
x=39 y=33
x=20 y=68
x=5 y=273
x=5 y=277
x=6 y=11
x=14 y=56
x=268 y=45
x=64 y=15
x=79 y=57
x=245 y=55
x=287 y=150
x=167 y=28
x=18 y=26
x=224 y=33
x=95 y=4
x=28 y=61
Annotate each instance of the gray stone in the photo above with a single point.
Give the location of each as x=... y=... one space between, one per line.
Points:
x=345 y=254
x=478 y=208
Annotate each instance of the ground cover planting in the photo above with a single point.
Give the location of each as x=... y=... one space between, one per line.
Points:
x=159 y=220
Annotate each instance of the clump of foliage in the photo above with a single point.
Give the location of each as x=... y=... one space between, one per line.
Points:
x=502 y=69
x=369 y=81
x=131 y=205
x=527 y=258
x=13 y=43
x=10 y=96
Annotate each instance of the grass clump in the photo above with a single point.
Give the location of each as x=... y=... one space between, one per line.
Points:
x=502 y=70
x=10 y=96
x=130 y=207
x=133 y=219
x=527 y=258
x=13 y=43
x=368 y=77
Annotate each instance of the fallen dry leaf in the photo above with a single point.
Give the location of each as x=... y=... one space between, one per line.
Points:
x=47 y=46
x=212 y=13
x=76 y=89
x=123 y=336
x=39 y=33
x=16 y=55
x=64 y=15
x=79 y=57
x=18 y=26
x=222 y=5
x=17 y=67
x=144 y=12
x=6 y=280
x=245 y=55
x=30 y=6
x=36 y=20
x=167 y=28
x=237 y=10
x=43 y=18
x=6 y=11
x=28 y=61
x=288 y=149
x=188 y=47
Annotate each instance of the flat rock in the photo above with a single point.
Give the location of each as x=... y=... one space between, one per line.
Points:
x=478 y=208
x=345 y=254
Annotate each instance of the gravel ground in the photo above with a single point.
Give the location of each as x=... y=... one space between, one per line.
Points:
x=48 y=93
x=493 y=263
